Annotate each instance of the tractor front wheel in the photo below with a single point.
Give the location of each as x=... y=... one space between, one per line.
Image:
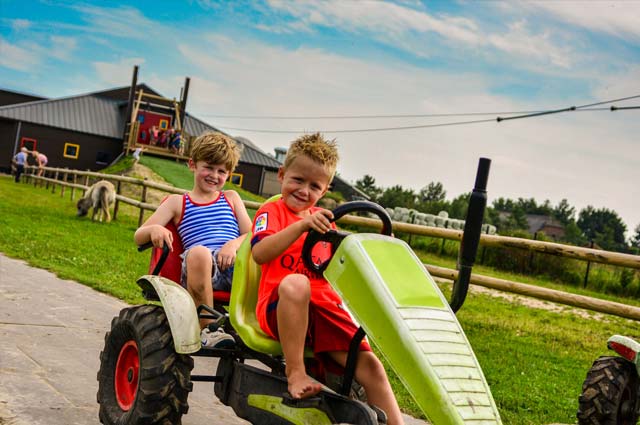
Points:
x=609 y=393
x=142 y=380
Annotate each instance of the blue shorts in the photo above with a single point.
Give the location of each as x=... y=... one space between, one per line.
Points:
x=220 y=280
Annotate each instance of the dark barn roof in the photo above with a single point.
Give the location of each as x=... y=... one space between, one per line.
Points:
x=85 y=114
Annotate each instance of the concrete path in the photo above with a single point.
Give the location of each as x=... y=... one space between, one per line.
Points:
x=51 y=335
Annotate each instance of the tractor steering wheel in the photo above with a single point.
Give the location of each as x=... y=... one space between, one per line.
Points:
x=335 y=237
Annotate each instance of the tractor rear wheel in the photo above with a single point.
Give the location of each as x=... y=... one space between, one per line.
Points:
x=142 y=380
x=609 y=393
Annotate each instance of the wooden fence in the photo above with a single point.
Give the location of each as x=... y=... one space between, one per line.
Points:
x=62 y=176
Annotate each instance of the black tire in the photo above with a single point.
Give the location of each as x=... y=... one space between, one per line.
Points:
x=142 y=380
x=609 y=393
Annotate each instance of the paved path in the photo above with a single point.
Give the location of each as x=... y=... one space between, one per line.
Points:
x=51 y=334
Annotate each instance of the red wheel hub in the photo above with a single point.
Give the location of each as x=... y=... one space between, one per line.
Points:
x=126 y=375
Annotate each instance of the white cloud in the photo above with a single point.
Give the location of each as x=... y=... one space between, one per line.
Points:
x=539 y=47
x=62 y=47
x=386 y=20
x=17 y=57
x=123 y=22
x=117 y=73
x=556 y=157
x=617 y=18
x=411 y=30
x=20 y=24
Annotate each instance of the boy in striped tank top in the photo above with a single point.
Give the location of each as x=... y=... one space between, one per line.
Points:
x=212 y=224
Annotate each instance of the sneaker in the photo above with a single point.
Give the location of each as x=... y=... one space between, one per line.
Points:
x=216 y=339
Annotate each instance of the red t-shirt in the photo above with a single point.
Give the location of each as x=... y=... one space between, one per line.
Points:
x=270 y=219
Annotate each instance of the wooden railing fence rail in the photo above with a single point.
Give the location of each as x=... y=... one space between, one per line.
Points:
x=61 y=177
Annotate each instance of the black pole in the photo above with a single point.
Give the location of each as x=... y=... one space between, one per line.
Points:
x=132 y=93
x=586 y=275
x=183 y=101
x=471 y=235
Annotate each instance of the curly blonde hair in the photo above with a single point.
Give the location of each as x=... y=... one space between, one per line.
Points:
x=216 y=148
x=316 y=147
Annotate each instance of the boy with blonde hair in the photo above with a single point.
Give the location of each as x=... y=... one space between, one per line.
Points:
x=295 y=305
x=212 y=224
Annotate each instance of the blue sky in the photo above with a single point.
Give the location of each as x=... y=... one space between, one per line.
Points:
x=353 y=58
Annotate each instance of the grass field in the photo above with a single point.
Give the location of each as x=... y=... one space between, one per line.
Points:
x=534 y=360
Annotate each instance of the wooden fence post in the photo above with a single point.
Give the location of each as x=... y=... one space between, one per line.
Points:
x=86 y=183
x=142 y=200
x=115 y=207
x=53 y=184
x=64 y=180
x=531 y=253
x=586 y=275
x=73 y=188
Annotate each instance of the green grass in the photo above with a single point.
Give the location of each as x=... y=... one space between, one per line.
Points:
x=534 y=360
x=178 y=174
x=42 y=228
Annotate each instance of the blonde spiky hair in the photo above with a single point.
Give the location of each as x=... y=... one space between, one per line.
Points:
x=316 y=147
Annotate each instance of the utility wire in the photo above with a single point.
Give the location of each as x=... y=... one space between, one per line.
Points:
x=582 y=108
x=341 y=117
x=571 y=108
x=409 y=127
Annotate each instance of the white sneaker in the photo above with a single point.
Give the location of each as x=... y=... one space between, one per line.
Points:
x=216 y=339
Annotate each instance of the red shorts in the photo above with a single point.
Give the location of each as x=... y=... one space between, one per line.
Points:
x=330 y=326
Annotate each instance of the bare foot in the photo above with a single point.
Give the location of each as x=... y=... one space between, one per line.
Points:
x=303 y=386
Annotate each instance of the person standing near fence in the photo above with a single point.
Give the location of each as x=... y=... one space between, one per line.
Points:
x=20 y=160
x=41 y=160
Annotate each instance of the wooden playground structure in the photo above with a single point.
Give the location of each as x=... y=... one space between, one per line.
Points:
x=147 y=111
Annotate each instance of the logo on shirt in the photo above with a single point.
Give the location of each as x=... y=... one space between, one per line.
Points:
x=261 y=223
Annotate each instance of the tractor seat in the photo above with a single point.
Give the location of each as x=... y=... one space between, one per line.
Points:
x=173 y=264
x=242 y=305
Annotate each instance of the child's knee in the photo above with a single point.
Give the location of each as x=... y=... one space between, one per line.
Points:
x=371 y=365
x=199 y=257
x=295 y=287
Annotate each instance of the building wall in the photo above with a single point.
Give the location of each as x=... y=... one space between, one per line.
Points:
x=270 y=184
x=7 y=142
x=251 y=176
x=93 y=152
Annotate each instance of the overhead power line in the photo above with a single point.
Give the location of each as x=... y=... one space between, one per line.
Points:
x=352 y=117
x=518 y=115
x=571 y=108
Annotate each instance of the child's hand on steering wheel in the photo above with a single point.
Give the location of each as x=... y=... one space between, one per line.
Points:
x=320 y=221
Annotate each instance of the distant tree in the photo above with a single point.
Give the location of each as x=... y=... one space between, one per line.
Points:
x=433 y=192
x=458 y=206
x=635 y=239
x=528 y=206
x=367 y=184
x=573 y=234
x=604 y=227
x=503 y=204
x=397 y=196
x=564 y=212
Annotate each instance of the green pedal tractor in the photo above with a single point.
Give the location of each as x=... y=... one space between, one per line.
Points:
x=145 y=366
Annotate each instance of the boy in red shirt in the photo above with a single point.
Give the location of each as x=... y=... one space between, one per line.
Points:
x=295 y=305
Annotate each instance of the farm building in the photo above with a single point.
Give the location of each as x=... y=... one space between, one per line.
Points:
x=90 y=131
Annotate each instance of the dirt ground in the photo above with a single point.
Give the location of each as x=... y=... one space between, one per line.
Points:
x=135 y=192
